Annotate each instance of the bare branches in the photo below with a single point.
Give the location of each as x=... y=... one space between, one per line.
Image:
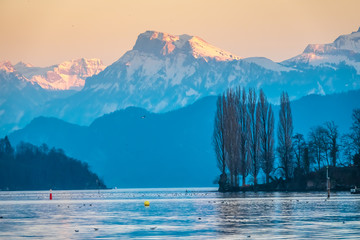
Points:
x=254 y=134
x=243 y=140
x=332 y=137
x=355 y=130
x=317 y=144
x=218 y=135
x=244 y=131
x=266 y=119
x=285 y=131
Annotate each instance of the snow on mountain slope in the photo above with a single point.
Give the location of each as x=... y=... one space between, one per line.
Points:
x=344 y=50
x=268 y=64
x=164 y=44
x=6 y=66
x=164 y=72
x=69 y=75
x=349 y=42
x=19 y=98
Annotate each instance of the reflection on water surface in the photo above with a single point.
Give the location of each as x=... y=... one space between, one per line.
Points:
x=197 y=213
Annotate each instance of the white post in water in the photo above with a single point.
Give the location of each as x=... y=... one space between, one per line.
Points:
x=328 y=181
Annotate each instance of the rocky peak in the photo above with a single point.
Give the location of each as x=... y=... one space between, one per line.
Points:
x=164 y=44
x=6 y=66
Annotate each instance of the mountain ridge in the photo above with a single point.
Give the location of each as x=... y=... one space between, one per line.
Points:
x=344 y=49
x=161 y=73
x=165 y=72
x=165 y=44
x=68 y=75
x=176 y=146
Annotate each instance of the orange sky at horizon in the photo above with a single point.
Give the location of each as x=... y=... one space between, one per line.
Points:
x=46 y=32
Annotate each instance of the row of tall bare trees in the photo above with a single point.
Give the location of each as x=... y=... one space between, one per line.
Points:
x=243 y=140
x=243 y=136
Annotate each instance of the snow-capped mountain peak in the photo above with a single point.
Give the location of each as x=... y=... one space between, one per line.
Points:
x=205 y=50
x=349 y=42
x=64 y=76
x=81 y=67
x=6 y=66
x=160 y=43
x=344 y=50
x=23 y=64
x=164 y=72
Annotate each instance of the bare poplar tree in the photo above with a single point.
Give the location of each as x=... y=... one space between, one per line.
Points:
x=325 y=144
x=243 y=137
x=355 y=130
x=285 y=131
x=299 y=146
x=347 y=149
x=231 y=136
x=218 y=141
x=254 y=134
x=332 y=137
x=317 y=145
x=307 y=160
x=266 y=135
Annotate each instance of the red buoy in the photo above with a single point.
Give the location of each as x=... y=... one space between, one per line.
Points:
x=50 y=195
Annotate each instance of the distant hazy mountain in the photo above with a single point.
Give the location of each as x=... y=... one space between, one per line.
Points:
x=136 y=148
x=164 y=72
x=18 y=98
x=24 y=89
x=345 y=50
x=69 y=75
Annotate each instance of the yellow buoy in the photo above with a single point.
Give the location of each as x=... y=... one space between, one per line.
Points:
x=146 y=203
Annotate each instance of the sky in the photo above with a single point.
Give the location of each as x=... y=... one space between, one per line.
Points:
x=47 y=32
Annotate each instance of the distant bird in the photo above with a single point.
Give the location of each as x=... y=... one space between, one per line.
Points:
x=1 y=216
x=143 y=116
x=199 y=218
x=249 y=236
x=90 y=205
x=96 y=229
x=153 y=228
x=343 y=222
x=76 y=230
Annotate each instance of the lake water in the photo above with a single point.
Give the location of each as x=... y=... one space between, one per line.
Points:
x=198 y=213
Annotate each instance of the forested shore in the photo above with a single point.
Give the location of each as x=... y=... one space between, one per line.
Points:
x=29 y=167
x=244 y=143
